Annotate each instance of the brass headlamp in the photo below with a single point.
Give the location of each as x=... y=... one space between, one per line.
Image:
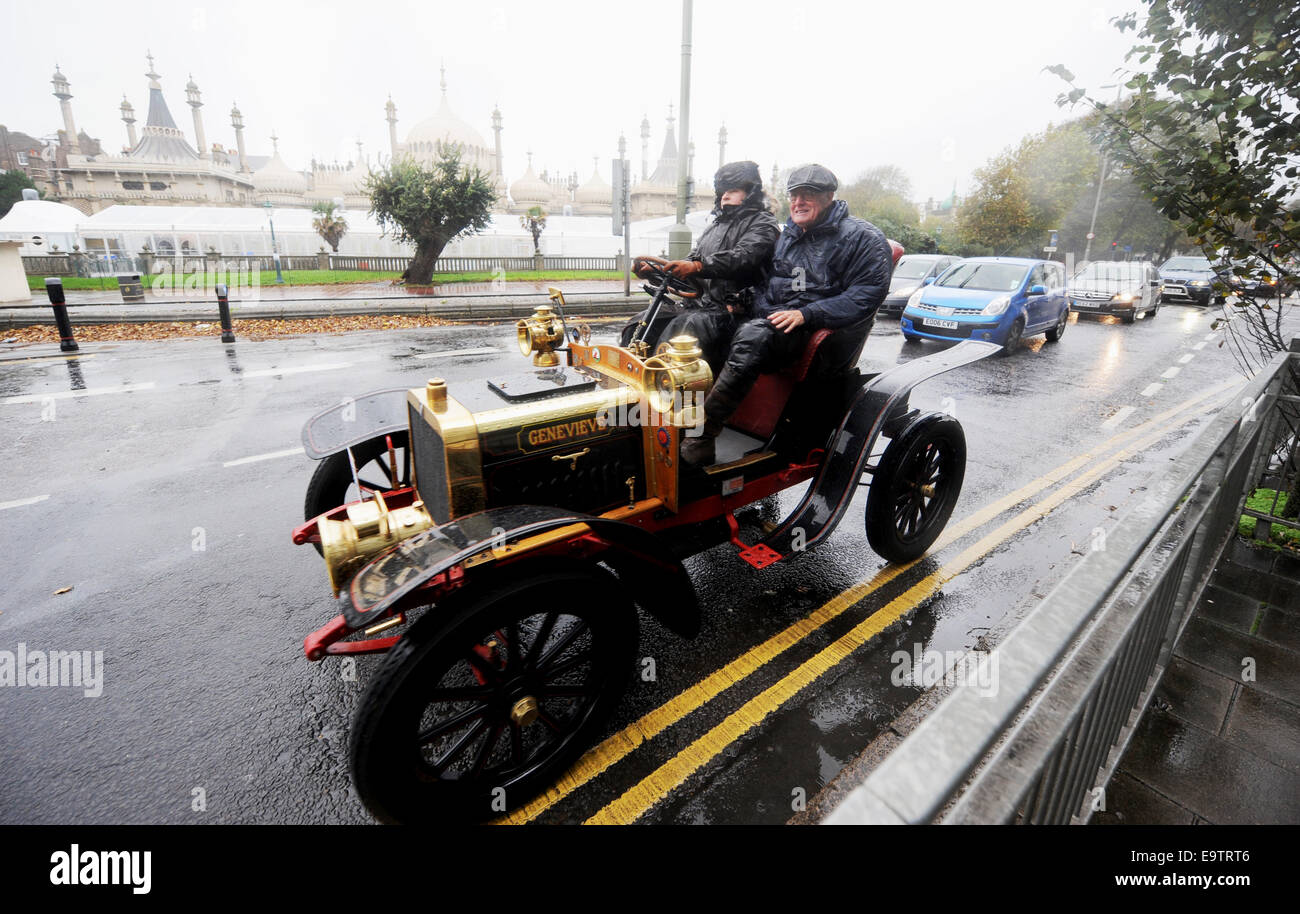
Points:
x=540 y=335
x=677 y=380
x=370 y=528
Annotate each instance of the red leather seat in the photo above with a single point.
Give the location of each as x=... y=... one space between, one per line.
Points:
x=760 y=410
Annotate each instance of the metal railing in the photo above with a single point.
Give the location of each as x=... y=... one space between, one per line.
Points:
x=192 y=262
x=1076 y=674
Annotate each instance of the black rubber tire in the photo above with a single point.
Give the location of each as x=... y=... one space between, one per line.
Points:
x=909 y=338
x=393 y=777
x=1128 y=317
x=1155 y=309
x=1014 y=338
x=903 y=523
x=1054 y=334
x=331 y=484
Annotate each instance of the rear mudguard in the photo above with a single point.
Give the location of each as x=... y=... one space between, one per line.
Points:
x=876 y=403
x=654 y=577
x=380 y=412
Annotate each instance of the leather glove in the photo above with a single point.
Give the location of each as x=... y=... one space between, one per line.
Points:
x=684 y=268
x=641 y=266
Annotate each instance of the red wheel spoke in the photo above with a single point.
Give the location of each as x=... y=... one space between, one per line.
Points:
x=489 y=671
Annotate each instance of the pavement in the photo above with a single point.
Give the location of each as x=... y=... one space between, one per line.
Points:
x=452 y=301
x=1220 y=742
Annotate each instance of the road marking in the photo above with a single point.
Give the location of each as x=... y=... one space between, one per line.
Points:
x=482 y=350
x=22 y=501
x=1152 y=389
x=1209 y=337
x=1170 y=372
x=1119 y=417
x=613 y=749
x=87 y=392
x=1200 y=345
x=653 y=788
x=46 y=358
x=294 y=369
x=1185 y=359
x=259 y=457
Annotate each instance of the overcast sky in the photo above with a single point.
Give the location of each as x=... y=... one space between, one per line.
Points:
x=934 y=87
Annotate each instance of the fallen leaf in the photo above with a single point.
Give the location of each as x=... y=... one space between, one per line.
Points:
x=62 y=590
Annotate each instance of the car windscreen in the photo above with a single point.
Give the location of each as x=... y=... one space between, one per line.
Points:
x=992 y=277
x=1187 y=263
x=1111 y=272
x=913 y=267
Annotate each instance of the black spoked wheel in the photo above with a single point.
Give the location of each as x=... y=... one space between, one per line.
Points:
x=915 y=487
x=378 y=469
x=471 y=716
x=1014 y=336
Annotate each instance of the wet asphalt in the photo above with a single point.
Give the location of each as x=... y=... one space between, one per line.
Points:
x=126 y=479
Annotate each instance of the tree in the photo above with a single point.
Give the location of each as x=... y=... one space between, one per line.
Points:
x=12 y=184
x=534 y=221
x=429 y=207
x=997 y=213
x=1209 y=133
x=329 y=226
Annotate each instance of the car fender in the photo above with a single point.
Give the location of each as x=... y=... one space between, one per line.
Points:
x=653 y=576
x=354 y=420
x=876 y=404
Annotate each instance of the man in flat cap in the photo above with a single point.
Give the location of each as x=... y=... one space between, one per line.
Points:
x=830 y=270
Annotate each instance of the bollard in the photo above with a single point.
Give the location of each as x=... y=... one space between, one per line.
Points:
x=223 y=305
x=54 y=289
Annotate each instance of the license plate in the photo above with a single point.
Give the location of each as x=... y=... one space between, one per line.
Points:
x=946 y=325
x=1086 y=304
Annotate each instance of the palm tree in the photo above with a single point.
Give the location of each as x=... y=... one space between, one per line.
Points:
x=535 y=222
x=329 y=226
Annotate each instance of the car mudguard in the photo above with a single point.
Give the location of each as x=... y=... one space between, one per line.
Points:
x=347 y=424
x=654 y=577
x=822 y=507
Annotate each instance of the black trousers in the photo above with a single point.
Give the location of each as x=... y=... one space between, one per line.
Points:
x=758 y=347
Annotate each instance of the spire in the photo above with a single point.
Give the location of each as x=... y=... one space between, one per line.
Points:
x=443 y=81
x=153 y=76
x=275 y=143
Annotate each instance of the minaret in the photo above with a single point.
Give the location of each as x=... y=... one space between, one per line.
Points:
x=390 y=114
x=645 y=147
x=496 y=129
x=237 y=121
x=195 y=102
x=63 y=92
x=722 y=146
x=128 y=117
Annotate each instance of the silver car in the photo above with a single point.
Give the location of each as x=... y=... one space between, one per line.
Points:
x=1124 y=287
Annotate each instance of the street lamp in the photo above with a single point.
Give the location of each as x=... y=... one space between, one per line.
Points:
x=1101 y=176
x=275 y=250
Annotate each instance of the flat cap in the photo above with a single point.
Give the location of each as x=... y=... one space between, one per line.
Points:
x=818 y=177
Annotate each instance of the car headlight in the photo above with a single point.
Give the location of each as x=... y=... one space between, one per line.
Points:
x=901 y=292
x=997 y=306
x=915 y=298
x=1124 y=297
x=1200 y=282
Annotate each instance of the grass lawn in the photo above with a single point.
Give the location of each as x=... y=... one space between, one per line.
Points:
x=1262 y=500
x=331 y=277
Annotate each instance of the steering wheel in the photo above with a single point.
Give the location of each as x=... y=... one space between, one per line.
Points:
x=651 y=269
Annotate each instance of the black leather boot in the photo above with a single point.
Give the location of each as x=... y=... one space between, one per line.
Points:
x=701 y=451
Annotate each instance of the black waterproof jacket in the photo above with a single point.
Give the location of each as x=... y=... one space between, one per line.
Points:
x=734 y=251
x=836 y=274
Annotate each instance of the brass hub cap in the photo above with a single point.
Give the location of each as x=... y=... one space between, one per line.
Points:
x=525 y=711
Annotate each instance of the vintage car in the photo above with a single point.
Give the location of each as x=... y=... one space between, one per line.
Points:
x=496 y=541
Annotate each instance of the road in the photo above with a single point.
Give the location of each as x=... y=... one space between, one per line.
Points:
x=160 y=482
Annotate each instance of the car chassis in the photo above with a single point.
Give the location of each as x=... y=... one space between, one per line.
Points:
x=520 y=615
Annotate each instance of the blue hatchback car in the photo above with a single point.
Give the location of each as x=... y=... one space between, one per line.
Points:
x=997 y=299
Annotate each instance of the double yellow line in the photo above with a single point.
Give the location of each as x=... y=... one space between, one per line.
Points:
x=641 y=797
